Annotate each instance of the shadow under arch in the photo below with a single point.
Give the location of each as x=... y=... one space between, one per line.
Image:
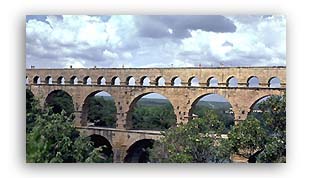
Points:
x=106 y=154
x=138 y=151
x=133 y=103
x=60 y=100
x=108 y=103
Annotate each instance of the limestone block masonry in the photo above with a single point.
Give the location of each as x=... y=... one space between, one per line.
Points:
x=74 y=81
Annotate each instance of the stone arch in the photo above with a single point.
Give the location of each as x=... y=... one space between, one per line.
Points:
x=74 y=80
x=87 y=80
x=137 y=151
x=145 y=81
x=253 y=82
x=61 y=80
x=136 y=98
x=199 y=97
x=130 y=81
x=107 y=150
x=274 y=82
x=58 y=108
x=36 y=80
x=193 y=81
x=232 y=82
x=85 y=106
x=48 y=80
x=115 y=80
x=212 y=82
x=160 y=81
x=176 y=81
x=101 y=81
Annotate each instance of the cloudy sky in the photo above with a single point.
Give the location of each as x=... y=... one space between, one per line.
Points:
x=155 y=41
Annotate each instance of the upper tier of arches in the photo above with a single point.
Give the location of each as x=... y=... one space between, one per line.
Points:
x=266 y=77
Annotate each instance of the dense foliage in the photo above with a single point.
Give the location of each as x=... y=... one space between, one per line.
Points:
x=102 y=111
x=257 y=140
x=159 y=117
x=199 y=140
x=51 y=137
x=60 y=101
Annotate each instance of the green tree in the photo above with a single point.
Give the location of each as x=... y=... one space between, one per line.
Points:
x=59 y=101
x=199 y=140
x=102 y=112
x=54 y=139
x=274 y=114
x=51 y=137
x=248 y=138
x=32 y=109
x=153 y=117
x=263 y=139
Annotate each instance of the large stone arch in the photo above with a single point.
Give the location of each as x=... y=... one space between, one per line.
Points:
x=138 y=96
x=195 y=99
x=50 y=96
x=85 y=103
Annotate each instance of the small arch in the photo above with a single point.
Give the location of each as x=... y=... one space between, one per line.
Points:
x=176 y=81
x=87 y=80
x=115 y=81
x=274 y=82
x=36 y=80
x=48 y=80
x=61 y=80
x=74 y=80
x=130 y=81
x=253 y=82
x=160 y=81
x=138 y=151
x=193 y=81
x=145 y=81
x=232 y=82
x=101 y=81
x=212 y=82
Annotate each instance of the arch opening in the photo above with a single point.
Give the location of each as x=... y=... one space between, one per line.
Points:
x=61 y=80
x=99 y=109
x=232 y=82
x=213 y=106
x=48 y=80
x=131 y=81
x=74 y=80
x=253 y=82
x=160 y=81
x=36 y=80
x=115 y=81
x=151 y=111
x=193 y=81
x=87 y=80
x=274 y=82
x=212 y=82
x=106 y=154
x=60 y=100
x=101 y=81
x=138 y=152
x=145 y=81
x=176 y=81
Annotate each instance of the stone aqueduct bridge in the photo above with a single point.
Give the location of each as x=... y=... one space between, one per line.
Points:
x=76 y=82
